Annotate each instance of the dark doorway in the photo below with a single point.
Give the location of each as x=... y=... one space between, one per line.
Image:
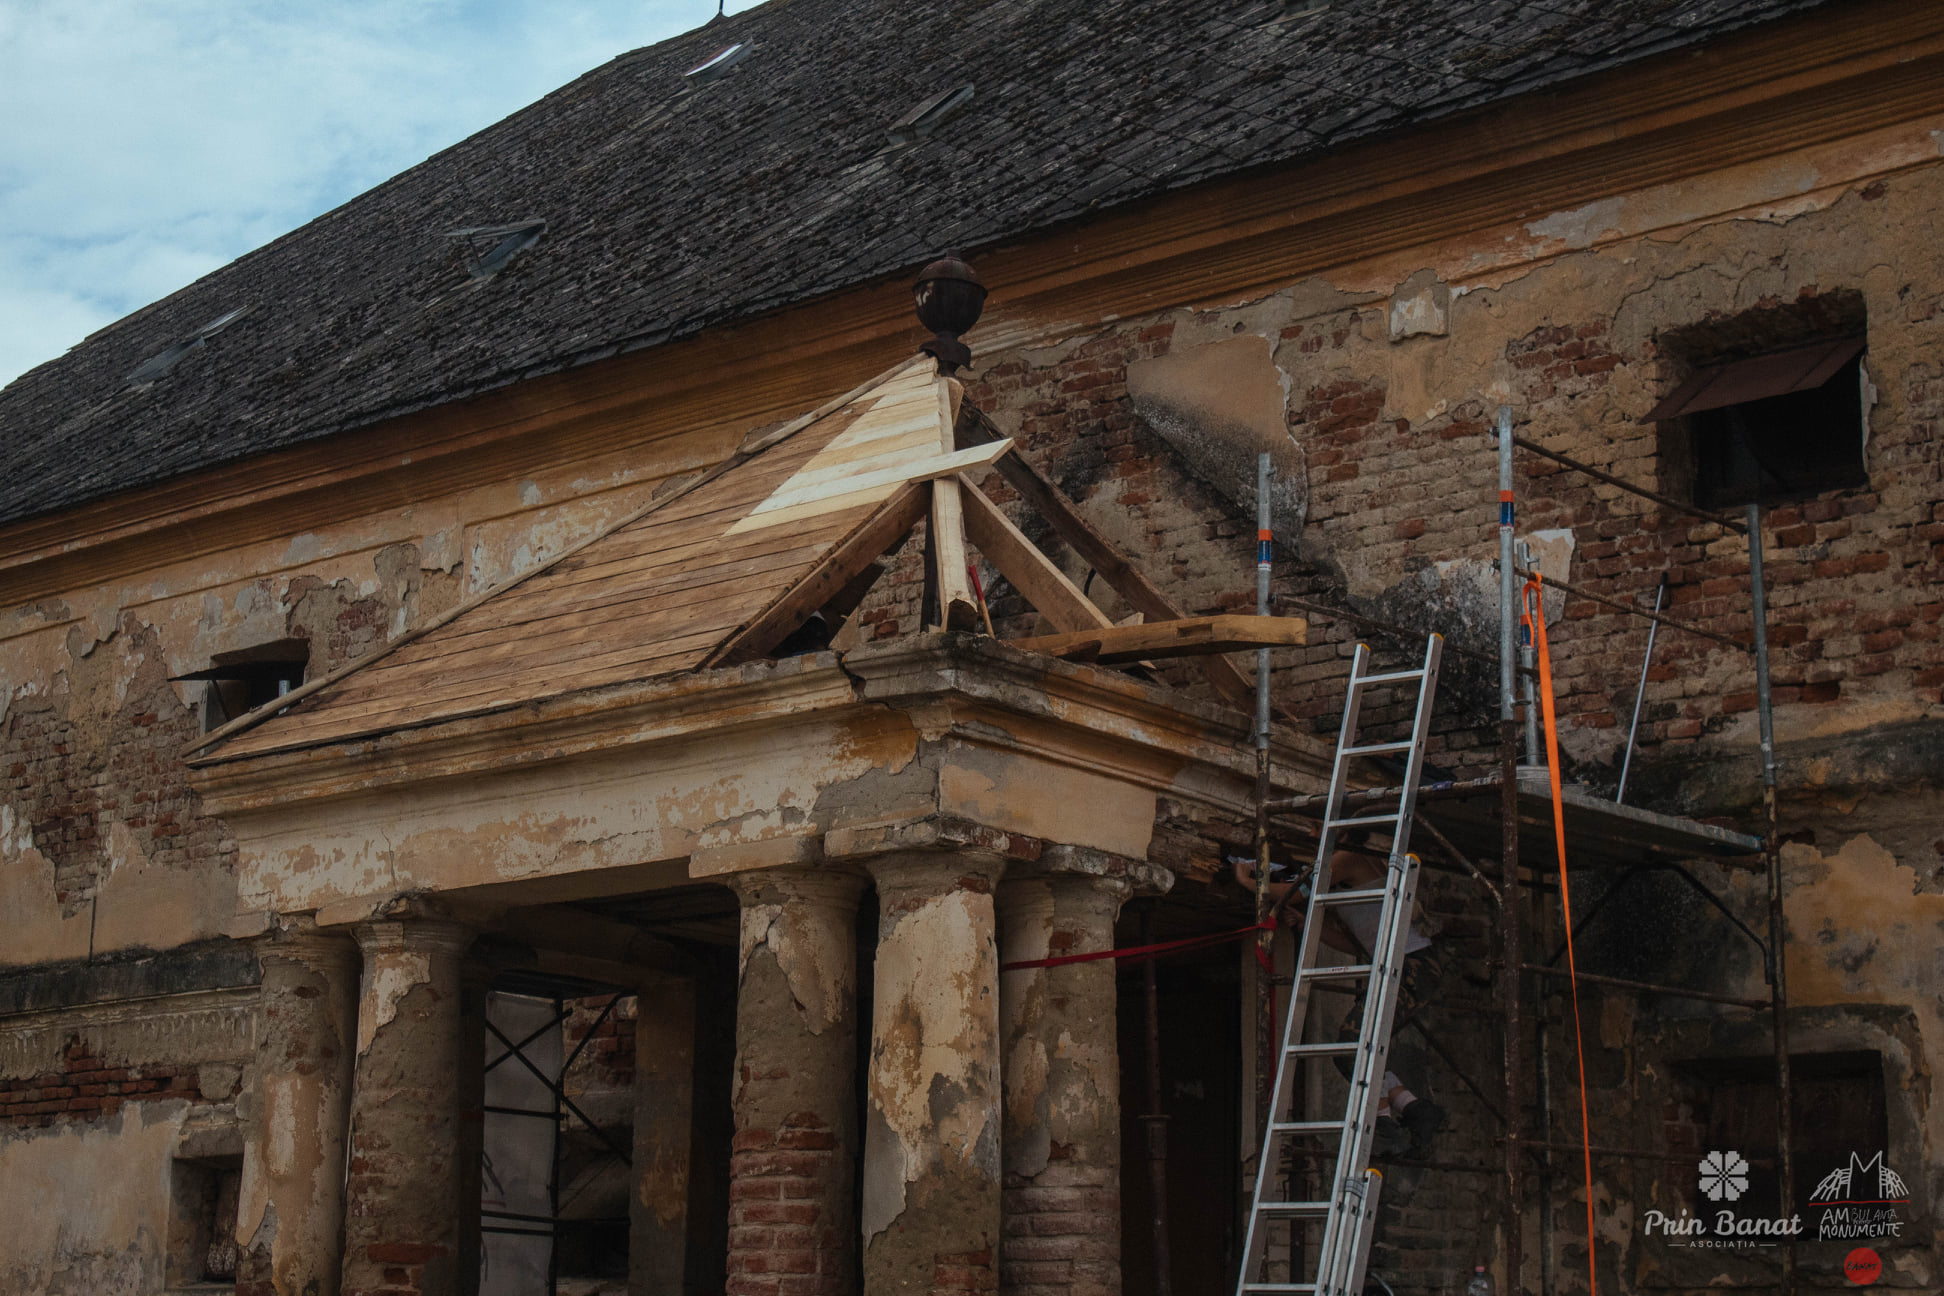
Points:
x=1200 y=1081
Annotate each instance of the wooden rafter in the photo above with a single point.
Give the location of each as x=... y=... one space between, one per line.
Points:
x=1060 y=512
x=1188 y=637
x=1020 y=561
x=829 y=579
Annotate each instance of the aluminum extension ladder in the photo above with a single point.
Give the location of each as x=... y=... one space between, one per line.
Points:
x=1349 y=1213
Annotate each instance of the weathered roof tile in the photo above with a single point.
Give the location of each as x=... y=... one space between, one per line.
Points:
x=673 y=206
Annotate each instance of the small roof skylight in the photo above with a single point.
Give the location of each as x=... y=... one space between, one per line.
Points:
x=164 y=360
x=929 y=115
x=716 y=66
x=498 y=244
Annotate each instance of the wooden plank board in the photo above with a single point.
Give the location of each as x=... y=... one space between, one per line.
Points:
x=725 y=605
x=1187 y=637
x=665 y=588
x=1031 y=572
x=695 y=564
x=641 y=662
x=677 y=551
x=789 y=504
x=954 y=584
x=527 y=674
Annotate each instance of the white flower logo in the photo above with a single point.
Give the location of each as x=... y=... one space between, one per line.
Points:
x=1724 y=1176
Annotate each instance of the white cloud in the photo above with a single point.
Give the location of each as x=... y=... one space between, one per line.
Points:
x=148 y=144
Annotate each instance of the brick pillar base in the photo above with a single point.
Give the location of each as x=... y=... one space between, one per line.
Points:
x=792 y=1230
x=1061 y=1196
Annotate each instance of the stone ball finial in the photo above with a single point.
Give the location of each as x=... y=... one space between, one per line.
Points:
x=950 y=297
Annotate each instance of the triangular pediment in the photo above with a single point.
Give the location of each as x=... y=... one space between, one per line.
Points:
x=697 y=579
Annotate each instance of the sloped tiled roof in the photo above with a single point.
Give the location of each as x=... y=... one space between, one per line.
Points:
x=672 y=206
x=654 y=596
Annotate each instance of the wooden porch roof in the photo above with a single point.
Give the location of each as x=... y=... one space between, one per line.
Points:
x=677 y=586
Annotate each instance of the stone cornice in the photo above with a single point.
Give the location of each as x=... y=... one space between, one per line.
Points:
x=943 y=686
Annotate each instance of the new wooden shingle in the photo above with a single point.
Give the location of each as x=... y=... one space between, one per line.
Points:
x=657 y=595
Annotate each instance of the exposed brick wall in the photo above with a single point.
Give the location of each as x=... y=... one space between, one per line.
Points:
x=76 y=770
x=781 y=1240
x=87 y=1087
x=1061 y=1233
x=607 y=1061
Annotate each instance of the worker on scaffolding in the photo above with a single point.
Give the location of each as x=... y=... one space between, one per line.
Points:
x=1406 y=1123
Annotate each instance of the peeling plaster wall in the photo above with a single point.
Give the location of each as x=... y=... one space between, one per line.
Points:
x=1392 y=370
x=1150 y=422
x=88 y=1205
x=96 y=1105
x=103 y=847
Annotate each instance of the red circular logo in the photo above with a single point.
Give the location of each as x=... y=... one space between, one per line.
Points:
x=1862 y=1266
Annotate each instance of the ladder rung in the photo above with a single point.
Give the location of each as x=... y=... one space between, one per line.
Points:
x=1390 y=677
x=1339 y=973
x=1343 y=1049
x=1306 y=1127
x=1372 y=749
x=1315 y=1208
x=1360 y=820
x=1278 y=1287
x=1364 y=896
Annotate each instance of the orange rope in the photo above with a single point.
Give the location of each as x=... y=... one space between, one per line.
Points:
x=1535 y=622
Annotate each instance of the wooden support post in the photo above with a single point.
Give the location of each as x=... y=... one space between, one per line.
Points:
x=829 y=578
x=957 y=608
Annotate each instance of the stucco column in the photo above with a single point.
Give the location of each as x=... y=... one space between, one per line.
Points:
x=290 y=1225
x=931 y=1143
x=791 y=1223
x=1061 y=1146
x=402 y=1228
x=658 y=1209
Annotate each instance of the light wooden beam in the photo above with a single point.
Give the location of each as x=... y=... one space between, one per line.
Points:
x=1031 y=572
x=956 y=608
x=1188 y=637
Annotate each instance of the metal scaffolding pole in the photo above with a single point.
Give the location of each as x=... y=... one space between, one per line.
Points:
x=1772 y=848
x=1512 y=911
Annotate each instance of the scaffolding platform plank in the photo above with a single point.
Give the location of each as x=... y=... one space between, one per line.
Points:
x=1598 y=832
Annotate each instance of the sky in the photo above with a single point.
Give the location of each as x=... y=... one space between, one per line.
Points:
x=148 y=142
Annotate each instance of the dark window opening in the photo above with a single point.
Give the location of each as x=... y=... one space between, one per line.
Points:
x=930 y=115
x=203 y=1223
x=1840 y=1114
x=592 y=1248
x=494 y=246
x=240 y=682
x=1774 y=405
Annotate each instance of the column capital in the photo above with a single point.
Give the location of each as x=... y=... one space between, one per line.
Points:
x=431 y=935
x=936 y=832
x=904 y=875
x=1061 y=859
x=298 y=939
x=836 y=885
